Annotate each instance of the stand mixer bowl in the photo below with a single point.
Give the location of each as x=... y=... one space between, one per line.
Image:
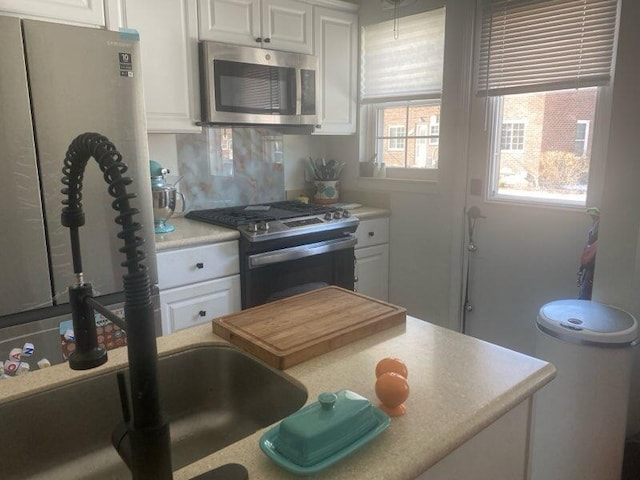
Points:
x=164 y=205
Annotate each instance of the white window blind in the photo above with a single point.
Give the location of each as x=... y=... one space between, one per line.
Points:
x=538 y=45
x=407 y=66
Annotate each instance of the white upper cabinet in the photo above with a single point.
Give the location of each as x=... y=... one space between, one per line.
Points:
x=286 y=25
x=275 y=24
x=336 y=45
x=87 y=12
x=169 y=45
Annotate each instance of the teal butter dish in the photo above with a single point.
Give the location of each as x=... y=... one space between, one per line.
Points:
x=323 y=432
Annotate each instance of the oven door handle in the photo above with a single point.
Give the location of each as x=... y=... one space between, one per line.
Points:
x=302 y=251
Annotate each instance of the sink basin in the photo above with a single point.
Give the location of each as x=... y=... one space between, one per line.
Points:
x=213 y=395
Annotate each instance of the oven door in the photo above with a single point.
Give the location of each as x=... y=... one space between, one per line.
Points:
x=275 y=274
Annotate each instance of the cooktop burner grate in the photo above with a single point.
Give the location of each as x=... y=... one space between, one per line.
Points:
x=235 y=217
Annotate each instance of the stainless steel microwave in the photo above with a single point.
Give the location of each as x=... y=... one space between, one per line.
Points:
x=255 y=86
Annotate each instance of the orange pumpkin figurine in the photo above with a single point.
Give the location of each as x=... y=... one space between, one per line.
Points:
x=392 y=387
x=392 y=364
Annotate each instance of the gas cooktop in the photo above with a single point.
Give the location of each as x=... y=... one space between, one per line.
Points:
x=277 y=219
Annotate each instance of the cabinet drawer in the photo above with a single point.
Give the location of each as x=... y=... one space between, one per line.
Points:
x=372 y=232
x=197 y=264
x=185 y=307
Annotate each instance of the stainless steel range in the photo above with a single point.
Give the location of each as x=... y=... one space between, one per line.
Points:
x=288 y=247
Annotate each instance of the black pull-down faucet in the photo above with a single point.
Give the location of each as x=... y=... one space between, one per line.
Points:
x=143 y=440
x=149 y=455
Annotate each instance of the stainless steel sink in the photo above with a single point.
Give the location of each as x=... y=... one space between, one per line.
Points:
x=213 y=395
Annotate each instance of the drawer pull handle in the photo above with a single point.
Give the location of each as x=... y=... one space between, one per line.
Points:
x=202 y=313
x=199 y=265
x=371 y=234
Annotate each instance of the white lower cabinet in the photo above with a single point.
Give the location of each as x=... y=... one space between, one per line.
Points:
x=198 y=284
x=192 y=305
x=500 y=451
x=372 y=258
x=372 y=269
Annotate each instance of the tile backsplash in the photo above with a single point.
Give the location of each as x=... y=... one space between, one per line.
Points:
x=226 y=167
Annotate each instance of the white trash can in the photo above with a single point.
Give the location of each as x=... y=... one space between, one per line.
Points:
x=580 y=417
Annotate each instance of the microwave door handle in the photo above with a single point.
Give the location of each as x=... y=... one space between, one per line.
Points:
x=298 y=91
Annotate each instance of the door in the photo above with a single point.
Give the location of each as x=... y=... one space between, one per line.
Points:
x=75 y=11
x=336 y=46
x=287 y=25
x=89 y=80
x=25 y=281
x=539 y=162
x=169 y=47
x=525 y=250
x=230 y=21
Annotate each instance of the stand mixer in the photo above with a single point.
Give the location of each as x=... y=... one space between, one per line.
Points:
x=164 y=198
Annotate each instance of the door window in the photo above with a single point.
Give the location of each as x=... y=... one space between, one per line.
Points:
x=541 y=151
x=541 y=80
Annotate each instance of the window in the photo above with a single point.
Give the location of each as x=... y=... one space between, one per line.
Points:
x=401 y=85
x=512 y=136
x=547 y=166
x=434 y=130
x=407 y=142
x=582 y=137
x=541 y=80
x=220 y=151
x=397 y=140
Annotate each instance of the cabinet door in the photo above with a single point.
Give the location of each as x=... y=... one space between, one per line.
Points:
x=230 y=21
x=287 y=25
x=169 y=43
x=372 y=271
x=73 y=11
x=336 y=45
x=185 y=307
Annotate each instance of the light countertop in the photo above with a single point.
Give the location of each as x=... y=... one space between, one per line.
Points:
x=459 y=385
x=189 y=233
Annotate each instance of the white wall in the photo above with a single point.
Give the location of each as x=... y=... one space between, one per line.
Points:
x=298 y=148
x=617 y=277
x=162 y=149
x=426 y=220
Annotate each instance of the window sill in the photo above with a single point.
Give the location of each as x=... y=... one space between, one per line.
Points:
x=397 y=185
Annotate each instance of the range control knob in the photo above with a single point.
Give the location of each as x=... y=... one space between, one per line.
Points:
x=346 y=214
x=337 y=214
x=328 y=216
x=263 y=226
x=252 y=227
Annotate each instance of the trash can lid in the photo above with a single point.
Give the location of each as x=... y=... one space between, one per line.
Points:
x=588 y=323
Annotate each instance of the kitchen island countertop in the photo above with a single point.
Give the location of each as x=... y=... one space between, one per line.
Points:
x=459 y=385
x=190 y=233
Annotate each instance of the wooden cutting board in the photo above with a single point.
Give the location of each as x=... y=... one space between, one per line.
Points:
x=295 y=329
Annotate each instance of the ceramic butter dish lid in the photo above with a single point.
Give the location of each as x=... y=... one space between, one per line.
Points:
x=321 y=429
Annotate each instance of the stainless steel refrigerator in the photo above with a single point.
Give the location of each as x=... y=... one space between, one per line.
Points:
x=56 y=82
